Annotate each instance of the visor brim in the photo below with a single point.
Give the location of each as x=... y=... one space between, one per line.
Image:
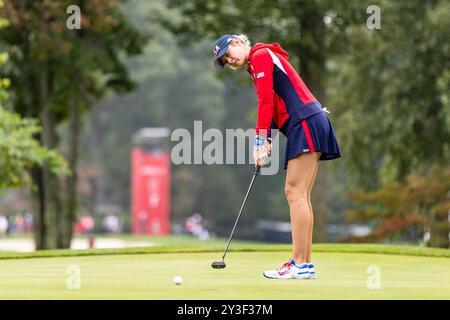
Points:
x=218 y=64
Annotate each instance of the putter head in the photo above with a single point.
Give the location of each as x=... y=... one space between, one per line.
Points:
x=218 y=264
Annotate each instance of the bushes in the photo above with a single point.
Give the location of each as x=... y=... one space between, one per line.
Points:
x=415 y=209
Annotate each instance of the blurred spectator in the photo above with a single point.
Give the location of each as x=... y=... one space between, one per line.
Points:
x=112 y=223
x=12 y=229
x=85 y=224
x=3 y=224
x=28 y=222
x=142 y=221
x=19 y=222
x=194 y=226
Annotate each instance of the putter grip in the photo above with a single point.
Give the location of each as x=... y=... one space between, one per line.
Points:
x=257 y=170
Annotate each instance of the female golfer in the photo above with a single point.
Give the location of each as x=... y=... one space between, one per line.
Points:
x=285 y=103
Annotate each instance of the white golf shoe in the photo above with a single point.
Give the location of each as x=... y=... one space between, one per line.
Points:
x=289 y=270
x=312 y=271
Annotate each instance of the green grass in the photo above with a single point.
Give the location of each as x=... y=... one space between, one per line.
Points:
x=149 y=276
x=406 y=272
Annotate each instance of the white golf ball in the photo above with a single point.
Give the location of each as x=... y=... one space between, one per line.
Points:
x=177 y=280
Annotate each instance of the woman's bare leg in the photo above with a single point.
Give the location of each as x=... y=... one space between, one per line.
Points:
x=299 y=180
x=311 y=225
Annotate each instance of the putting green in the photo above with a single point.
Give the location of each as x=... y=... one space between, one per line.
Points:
x=149 y=276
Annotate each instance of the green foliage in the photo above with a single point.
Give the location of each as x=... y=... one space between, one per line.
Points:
x=390 y=89
x=83 y=64
x=298 y=25
x=262 y=20
x=19 y=151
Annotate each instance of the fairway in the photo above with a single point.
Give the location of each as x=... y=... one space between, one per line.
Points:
x=341 y=275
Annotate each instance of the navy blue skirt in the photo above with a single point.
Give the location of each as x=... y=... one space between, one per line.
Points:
x=313 y=134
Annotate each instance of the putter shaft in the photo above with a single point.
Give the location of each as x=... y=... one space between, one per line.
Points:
x=257 y=170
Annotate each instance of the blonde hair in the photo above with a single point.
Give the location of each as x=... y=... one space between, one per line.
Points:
x=243 y=39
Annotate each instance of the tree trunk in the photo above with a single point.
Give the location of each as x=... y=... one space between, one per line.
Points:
x=71 y=203
x=40 y=229
x=50 y=187
x=71 y=181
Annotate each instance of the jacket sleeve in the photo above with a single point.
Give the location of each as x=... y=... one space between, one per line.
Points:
x=272 y=126
x=262 y=73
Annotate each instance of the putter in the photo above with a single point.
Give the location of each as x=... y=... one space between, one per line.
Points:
x=222 y=264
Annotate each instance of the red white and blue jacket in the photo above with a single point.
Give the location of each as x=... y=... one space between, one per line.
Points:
x=281 y=92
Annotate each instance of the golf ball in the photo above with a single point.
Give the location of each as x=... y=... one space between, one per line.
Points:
x=177 y=280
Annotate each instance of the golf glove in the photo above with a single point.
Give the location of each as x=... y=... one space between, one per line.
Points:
x=261 y=150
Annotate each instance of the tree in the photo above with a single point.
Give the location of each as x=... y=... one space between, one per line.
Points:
x=390 y=90
x=19 y=151
x=56 y=75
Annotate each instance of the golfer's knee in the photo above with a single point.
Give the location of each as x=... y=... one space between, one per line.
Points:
x=294 y=194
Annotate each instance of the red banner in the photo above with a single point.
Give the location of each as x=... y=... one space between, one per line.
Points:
x=150 y=192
